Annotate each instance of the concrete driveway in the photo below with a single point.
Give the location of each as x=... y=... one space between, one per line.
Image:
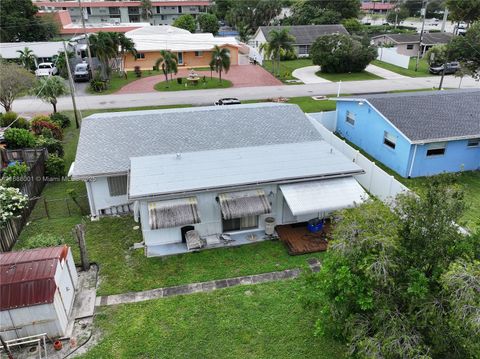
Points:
x=307 y=75
x=386 y=74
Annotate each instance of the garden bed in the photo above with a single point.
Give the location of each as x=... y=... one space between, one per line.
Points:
x=203 y=83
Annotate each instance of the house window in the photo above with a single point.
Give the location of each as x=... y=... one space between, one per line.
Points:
x=162 y=17
x=117 y=186
x=179 y=9
x=140 y=55
x=409 y=46
x=198 y=53
x=475 y=142
x=436 y=149
x=303 y=49
x=180 y=58
x=389 y=140
x=89 y=11
x=114 y=10
x=350 y=118
x=238 y=224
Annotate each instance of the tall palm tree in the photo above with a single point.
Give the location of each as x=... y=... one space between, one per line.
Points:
x=104 y=47
x=267 y=52
x=27 y=58
x=167 y=62
x=280 y=42
x=122 y=45
x=220 y=60
x=49 y=88
x=146 y=9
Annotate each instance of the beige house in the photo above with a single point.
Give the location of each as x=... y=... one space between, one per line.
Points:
x=409 y=44
x=192 y=50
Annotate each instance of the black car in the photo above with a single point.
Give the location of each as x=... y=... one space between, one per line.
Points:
x=227 y=101
x=451 y=68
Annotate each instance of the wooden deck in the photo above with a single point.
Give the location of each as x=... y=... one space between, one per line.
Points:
x=299 y=240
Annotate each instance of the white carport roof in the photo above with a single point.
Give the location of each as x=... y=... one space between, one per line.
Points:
x=323 y=196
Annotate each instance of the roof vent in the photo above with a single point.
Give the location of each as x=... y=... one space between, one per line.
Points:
x=179 y=156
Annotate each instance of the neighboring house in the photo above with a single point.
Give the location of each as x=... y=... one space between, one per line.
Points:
x=192 y=50
x=305 y=35
x=216 y=170
x=409 y=44
x=37 y=291
x=376 y=7
x=415 y=134
x=43 y=51
x=125 y=11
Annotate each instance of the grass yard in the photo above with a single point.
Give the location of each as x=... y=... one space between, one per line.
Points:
x=261 y=321
x=306 y=103
x=353 y=76
x=287 y=67
x=410 y=72
x=202 y=85
x=117 y=82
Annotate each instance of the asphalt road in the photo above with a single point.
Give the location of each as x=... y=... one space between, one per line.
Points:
x=207 y=97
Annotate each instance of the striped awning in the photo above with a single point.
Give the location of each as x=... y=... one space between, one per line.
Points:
x=173 y=213
x=243 y=204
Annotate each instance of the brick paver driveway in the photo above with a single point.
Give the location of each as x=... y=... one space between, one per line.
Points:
x=239 y=75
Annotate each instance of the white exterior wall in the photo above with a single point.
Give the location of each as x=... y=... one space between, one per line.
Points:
x=257 y=40
x=392 y=56
x=210 y=215
x=99 y=196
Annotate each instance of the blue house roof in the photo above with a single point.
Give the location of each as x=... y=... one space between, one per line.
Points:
x=430 y=116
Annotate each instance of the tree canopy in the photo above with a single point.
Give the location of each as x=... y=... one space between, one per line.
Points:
x=307 y=12
x=402 y=283
x=49 y=89
x=340 y=53
x=208 y=23
x=253 y=13
x=14 y=80
x=186 y=22
x=464 y=10
x=19 y=22
x=466 y=49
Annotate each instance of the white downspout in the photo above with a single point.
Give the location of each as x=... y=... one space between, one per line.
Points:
x=91 y=200
x=413 y=161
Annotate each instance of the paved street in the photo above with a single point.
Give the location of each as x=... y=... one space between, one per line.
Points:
x=207 y=97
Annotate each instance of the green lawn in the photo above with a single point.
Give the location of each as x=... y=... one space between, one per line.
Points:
x=306 y=103
x=261 y=321
x=287 y=67
x=353 y=76
x=410 y=72
x=117 y=82
x=213 y=83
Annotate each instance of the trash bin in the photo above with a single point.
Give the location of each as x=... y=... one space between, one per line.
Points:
x=269 y=226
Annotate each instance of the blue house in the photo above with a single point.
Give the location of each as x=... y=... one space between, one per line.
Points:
x=415 y=134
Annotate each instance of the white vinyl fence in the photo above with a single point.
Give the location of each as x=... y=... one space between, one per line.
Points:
x=391 y=56
x=375 y=180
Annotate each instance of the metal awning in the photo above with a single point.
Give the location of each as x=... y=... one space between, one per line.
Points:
x=173 y=213
x=243 y=204
x=323 y=196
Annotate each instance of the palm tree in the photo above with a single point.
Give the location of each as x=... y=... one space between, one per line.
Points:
x=220 y=60
x=267 y=52
x=146 y=9
x=167 y=62
x=104 y=47
x=27 y=58
x=244 y=33
x=122 y=45
x=49 y=88
x=280 y=42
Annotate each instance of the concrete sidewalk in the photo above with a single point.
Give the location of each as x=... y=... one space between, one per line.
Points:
x=386 y=74
x=308 y=75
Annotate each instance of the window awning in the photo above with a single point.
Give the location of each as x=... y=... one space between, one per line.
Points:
x=173 y=213
x=243 y=204
x=323 y=196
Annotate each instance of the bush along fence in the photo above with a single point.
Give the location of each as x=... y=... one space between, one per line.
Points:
x=31 y=187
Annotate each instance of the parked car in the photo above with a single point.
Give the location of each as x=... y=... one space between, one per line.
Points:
x=227 y=101
x=451 y=68
x=82 y=72
x=46 y=69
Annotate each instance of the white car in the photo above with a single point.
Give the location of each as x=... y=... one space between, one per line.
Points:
x=46 y=69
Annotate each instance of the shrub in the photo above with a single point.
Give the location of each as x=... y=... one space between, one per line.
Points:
x=97 y=85
x=11 y=203
x=40 y=123
x=52 y=145
x=12 y=174
x=60 y=119
x=19 y=138
x=43 y=240
x=54 y=166
x=9 y=117
x=137 y=70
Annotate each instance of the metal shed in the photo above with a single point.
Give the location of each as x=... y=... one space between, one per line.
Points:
x=37 y=291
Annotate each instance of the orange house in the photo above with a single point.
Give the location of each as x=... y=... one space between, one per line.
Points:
x=192 y=50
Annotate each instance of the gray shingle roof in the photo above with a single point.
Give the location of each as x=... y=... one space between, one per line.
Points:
x=306 y=34
x=428 y=38
x=432 y=116
x=108 y=140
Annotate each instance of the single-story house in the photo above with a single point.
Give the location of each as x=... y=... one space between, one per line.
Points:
x=43 y=51
x=408 y=44
x=305 y=35
x=213 y=170
x=37 y=291
x=415 y=134
x=192 y=50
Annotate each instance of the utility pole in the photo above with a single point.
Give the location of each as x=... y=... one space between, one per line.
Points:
x=444 y=21
x=72 y=87
x=423 y=12
x=90 y=63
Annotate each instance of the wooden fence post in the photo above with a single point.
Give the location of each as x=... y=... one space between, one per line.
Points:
x=79 y=233
x=46 y=207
